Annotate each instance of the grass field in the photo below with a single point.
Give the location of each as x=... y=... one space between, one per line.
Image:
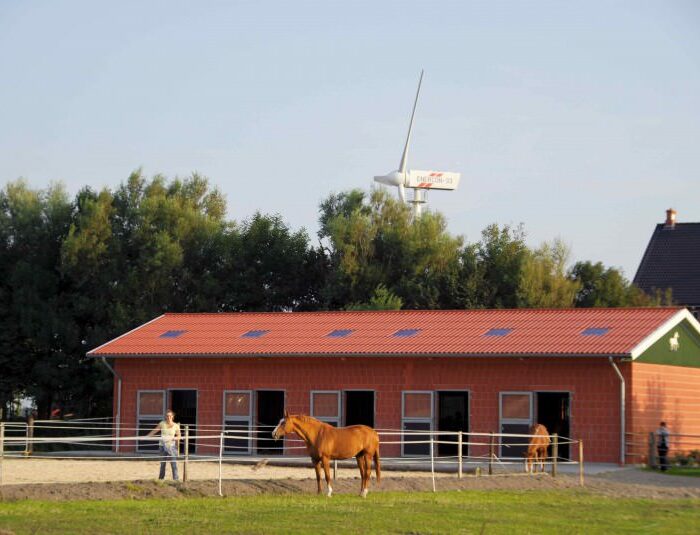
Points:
x=684 y=471
x=390 y=512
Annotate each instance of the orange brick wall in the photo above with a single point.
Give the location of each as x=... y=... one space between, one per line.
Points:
x=664 y=393
x=592 y=382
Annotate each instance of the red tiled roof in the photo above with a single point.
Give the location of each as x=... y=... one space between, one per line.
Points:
x=441 y=332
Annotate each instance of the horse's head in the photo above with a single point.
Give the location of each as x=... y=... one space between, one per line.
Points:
x=285 y=426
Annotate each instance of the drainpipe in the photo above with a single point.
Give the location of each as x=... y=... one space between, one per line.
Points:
x=119 y=400
x=622 y=409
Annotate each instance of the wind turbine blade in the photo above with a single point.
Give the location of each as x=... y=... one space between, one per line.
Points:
x=404 y=156
x=402 y=193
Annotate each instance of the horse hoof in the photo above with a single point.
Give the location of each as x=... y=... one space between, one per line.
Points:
x=330 y=492
x=364 y=493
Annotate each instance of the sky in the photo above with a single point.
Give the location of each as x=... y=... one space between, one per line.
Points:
x=579 y=120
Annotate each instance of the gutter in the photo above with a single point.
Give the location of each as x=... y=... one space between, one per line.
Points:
x=622 y=409
x=119 y=401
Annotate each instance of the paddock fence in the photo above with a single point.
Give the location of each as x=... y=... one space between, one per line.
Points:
x=683 y=449
x=442 y=453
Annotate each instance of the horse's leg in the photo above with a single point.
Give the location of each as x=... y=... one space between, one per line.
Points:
x=327 y=471
x=317 y=467
x=361 y=466
x=368 y=472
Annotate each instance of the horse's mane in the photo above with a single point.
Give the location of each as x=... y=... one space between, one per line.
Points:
x=306 y=419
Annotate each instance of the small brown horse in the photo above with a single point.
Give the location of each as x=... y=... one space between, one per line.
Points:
x=325 y=442
x=537 y=448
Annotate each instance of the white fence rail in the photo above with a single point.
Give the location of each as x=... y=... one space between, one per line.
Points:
x=96 y=440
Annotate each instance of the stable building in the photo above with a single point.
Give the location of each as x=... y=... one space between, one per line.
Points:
x=599 y=375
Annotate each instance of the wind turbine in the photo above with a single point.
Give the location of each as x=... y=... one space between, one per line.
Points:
x=415 y=179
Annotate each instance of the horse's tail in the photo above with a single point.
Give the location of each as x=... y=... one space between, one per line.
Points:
x=377 y=467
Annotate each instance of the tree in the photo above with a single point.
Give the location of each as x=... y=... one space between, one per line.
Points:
x=543 y=281
x=607 y=287
x=373 y=242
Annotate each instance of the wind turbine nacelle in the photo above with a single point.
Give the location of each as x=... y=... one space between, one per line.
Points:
x=395 y=178
x=432 y=179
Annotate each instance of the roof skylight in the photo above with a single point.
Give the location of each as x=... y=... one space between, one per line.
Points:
x=498 y=332
x=340 y=333
x=405 y=333
x=254 y=334
x=172 y=334
x=595 y=331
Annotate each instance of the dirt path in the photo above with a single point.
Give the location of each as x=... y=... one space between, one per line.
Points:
x=101 y=480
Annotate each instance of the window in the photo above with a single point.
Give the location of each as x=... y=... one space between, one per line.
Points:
x=416 y=419
x=254 y=334
x=595 y=331
x=405 y=333
x=237 y=421
x=150 y=411
x=325 y=406
x=515 y=418
x=172 y=334
x=498 y=332
x=339 y=333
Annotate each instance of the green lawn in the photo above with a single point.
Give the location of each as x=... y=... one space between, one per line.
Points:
x=569 y=511
x=684 y=471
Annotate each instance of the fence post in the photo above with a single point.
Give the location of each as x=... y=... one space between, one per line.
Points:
x=580 y=462
x=29 y=447
x=555 y=453
x=2 y=447
x=432 y=460
x=187 y=453
x=221 y=454
x=492 y=453
x=652 y=450
x=459 y=455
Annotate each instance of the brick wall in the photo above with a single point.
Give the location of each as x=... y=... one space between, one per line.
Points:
x=664 y=393
x=593 y=385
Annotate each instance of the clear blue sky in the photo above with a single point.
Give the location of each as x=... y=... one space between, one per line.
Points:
x=580 y=120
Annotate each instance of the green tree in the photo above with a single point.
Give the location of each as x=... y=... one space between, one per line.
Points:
x=543 y=281
x=607 y=287
x=373 y=241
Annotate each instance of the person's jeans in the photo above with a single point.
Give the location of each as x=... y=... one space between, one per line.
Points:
x=168 y=452
x=663 y=458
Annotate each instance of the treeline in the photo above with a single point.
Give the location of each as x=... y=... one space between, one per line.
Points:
x=75 y=273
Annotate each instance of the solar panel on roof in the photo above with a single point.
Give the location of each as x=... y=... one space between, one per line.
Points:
x=405 y=333
x=595 y=331
x=498 y=332
x=254 y=334
x=172 y=334
x=339 y=333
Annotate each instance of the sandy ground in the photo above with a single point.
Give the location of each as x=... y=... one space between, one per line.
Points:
x=63 y=479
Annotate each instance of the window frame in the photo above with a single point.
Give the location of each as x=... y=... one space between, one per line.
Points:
x=148 y=416
x=327 y=419
x=413 y=419
x=241 y=421
x=514 y=421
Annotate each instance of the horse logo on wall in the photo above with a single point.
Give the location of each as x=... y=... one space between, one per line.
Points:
x=673 y=343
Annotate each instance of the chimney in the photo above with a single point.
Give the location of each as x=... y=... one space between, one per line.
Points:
x=670 y=218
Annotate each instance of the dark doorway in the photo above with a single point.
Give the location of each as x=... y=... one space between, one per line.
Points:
x=270 y=412
x=184 y=405
x=553 y=412
x=453 y=415
x=359 y=407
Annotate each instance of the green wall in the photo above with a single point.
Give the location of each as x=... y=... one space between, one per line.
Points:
x=688 y=353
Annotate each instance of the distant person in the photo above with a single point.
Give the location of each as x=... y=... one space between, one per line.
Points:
x=169 y=443
x=662 y=436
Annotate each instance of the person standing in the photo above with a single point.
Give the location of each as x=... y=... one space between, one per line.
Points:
x=662 y=440
x=169 y=443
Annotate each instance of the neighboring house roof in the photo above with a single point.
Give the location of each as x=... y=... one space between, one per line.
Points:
x=519 y=332
x=672 y=260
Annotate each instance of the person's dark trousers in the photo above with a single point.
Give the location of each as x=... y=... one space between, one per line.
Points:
x=168 y=454
x=663 y=458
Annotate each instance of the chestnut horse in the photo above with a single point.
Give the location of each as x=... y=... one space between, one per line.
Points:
x=537 y=448
x=325 y=442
